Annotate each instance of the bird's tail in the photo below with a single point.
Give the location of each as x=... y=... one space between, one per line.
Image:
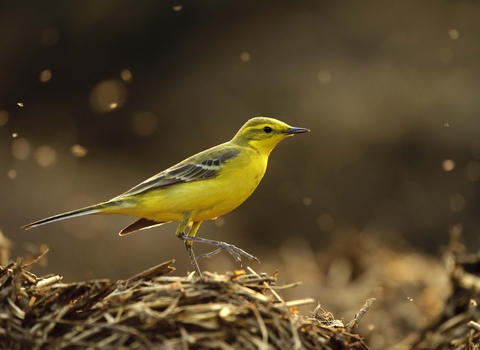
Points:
x=97 y=208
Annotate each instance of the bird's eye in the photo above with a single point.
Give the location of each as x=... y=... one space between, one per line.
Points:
x=267 y=129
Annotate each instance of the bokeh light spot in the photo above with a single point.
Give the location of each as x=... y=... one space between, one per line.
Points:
x=45 y=156
x=245 y=56
x=3 y=118
x=324 y=77
x=177 y=8
x=219 y=222
x=145 y=124
x=108 y=95
x=21 y=148
x=14 y=135
x=325 y=222
x=472 y=171
x=79 y=151
x=453 y=34
x=49 y=37
x=45 y=76
x=20 y=104
x=457 y=202
x=126 y=75
x=448 y=165
x=12 y=173
x=307 y=201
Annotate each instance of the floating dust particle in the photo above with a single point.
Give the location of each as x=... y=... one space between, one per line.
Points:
x=306 y=201
x=12 y=174
x=220 y=222
x=126 y=75
x=45 y=76
x=448 y=165
x=245 y=56
x=20 y=104
x=446 y=125
x=14 y=135
x=45 y=156
x=453 y=34
x=325 y=77
x=325 y=222
x=177 y=8
x=108 y=95
x=79 y=151
x=21 y=148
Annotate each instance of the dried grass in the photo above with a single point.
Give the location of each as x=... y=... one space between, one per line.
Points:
x=156 y=310
x=458 y=325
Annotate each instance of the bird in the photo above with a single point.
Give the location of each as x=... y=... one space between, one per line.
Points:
x=202 y=187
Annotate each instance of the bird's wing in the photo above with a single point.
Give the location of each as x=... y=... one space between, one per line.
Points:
x=204 y=165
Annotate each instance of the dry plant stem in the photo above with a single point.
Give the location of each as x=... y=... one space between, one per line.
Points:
x=275 y=294
x=474 y=325
x=152 y=310
x=360 y=314
x=34 y=261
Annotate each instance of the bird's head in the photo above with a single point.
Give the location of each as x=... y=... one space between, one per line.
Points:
x=263 y=133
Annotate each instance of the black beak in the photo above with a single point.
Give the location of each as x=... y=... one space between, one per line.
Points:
x=292 y=131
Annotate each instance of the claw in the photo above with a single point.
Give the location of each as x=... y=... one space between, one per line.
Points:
x=234 y=251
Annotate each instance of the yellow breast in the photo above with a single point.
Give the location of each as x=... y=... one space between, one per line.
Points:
x=208 y=198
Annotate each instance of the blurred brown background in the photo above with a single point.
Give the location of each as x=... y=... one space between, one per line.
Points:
x=112 y=92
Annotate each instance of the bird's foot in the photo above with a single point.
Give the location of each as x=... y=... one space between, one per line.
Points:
x=234 y=251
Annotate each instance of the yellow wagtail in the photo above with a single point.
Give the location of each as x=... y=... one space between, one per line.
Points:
x=202 y=187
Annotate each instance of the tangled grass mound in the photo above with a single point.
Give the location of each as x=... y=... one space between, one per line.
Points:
x=155 y=310
x=458 y=326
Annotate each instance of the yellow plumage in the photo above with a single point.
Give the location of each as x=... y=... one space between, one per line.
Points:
x=202 y=187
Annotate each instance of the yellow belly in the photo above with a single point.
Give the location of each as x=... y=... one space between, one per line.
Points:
x=204 y=199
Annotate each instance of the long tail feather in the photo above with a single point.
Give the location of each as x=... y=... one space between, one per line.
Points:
x=71 y=214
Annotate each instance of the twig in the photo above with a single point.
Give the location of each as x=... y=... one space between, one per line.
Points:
x=359 y=315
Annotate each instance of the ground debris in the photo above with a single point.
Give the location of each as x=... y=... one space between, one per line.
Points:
x=457 y=327
x=155 y=310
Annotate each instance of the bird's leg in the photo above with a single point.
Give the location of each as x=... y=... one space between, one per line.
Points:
x=189 y=245
x=180 y=233
x=233 y=250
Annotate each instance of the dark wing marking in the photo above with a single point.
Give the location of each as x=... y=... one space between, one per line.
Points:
x=204 y=168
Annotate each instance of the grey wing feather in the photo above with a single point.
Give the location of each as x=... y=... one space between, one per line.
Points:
x=185 y=172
